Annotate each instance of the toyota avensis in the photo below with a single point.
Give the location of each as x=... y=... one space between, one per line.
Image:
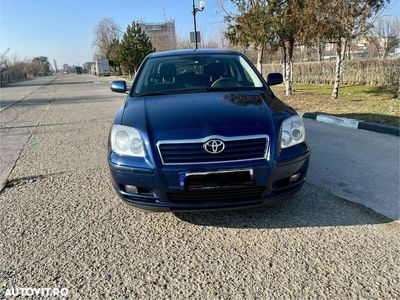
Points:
x=201 y=129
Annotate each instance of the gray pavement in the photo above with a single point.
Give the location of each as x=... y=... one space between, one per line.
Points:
x=358 y=165
x=19 y=123
x=15 y=92
x=63 y=226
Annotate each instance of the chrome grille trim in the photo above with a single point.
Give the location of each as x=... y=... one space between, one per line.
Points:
x=266 y=155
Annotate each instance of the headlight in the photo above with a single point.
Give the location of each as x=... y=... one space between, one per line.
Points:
x=292 y=132
x=126 y=141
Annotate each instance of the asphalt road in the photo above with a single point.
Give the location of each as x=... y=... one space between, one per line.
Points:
x=358 y=165
x=63 y=226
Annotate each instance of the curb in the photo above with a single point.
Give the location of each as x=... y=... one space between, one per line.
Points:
x=352 y=123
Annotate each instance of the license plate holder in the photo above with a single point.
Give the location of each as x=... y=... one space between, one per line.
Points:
x=216 y=180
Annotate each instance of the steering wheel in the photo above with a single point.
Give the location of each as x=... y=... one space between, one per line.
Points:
x=222 y=82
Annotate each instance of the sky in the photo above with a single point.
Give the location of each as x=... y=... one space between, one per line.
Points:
x=63 y=29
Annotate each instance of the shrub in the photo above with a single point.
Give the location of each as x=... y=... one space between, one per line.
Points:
x=355 y=72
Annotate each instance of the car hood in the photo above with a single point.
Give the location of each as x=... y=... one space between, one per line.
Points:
x=197 y=115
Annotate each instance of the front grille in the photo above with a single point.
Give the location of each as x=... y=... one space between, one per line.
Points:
x=192 y=151
x=220 y=194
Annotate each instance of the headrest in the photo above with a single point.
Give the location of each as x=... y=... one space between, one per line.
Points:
x=167 y=72
x=215 y=70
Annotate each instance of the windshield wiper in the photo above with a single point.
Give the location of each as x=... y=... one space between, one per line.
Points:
x=170 y=92
x=198 y=90
x=227 y=89
x=152 y=94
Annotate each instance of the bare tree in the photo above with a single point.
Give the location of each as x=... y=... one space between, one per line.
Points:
x=398 y=92
x=340 y=21
x=213 y=38
x=385 y=35
x=105 y=34
x=40 y=66
x=211 y=43
x=14 y=68
x=183 y=43
x=267 y=25
x=222 y=37
x=251 y=27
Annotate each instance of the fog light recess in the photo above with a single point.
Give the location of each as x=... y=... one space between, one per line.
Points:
x=295 y=177
x=131 y=189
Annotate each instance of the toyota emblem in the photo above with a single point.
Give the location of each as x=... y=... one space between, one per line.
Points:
x=214 y=146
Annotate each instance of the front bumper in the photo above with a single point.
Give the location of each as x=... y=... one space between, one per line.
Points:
x=156 y=185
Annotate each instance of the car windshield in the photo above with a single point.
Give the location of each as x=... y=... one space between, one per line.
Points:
x=196 y=73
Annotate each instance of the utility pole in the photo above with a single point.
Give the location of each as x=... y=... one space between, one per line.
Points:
x=195 y=10
x=55 y=66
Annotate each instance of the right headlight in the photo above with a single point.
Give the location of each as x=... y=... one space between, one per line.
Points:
x=126 y=141
x=292 y=131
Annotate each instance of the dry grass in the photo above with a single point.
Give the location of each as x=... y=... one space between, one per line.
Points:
x=362 y=102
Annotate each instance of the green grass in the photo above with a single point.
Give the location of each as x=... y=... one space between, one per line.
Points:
x=369 y=103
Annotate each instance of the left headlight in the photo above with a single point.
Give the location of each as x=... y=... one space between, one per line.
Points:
x=292 y=132
x=126 y=141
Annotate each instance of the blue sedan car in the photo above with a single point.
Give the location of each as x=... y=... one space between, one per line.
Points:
x=202 y=130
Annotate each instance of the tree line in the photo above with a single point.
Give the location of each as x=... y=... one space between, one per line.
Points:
x=126 y=52
x=280 y=25
x=127 y=49
x=13 y=68
x=384 y=36
x=269 y=26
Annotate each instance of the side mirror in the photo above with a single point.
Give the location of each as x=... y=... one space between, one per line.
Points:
x=274 y=78
x=119 y=86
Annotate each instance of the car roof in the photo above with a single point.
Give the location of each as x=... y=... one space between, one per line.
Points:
x=192 y=52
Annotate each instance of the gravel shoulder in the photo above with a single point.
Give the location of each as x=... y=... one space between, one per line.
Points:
x=63 y=226
x=77 y=234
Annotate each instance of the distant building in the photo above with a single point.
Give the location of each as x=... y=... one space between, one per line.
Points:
x=162 y=35
x=66 y=67
x=87 y=66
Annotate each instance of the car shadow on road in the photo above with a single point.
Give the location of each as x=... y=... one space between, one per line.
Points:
x=311 y=207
